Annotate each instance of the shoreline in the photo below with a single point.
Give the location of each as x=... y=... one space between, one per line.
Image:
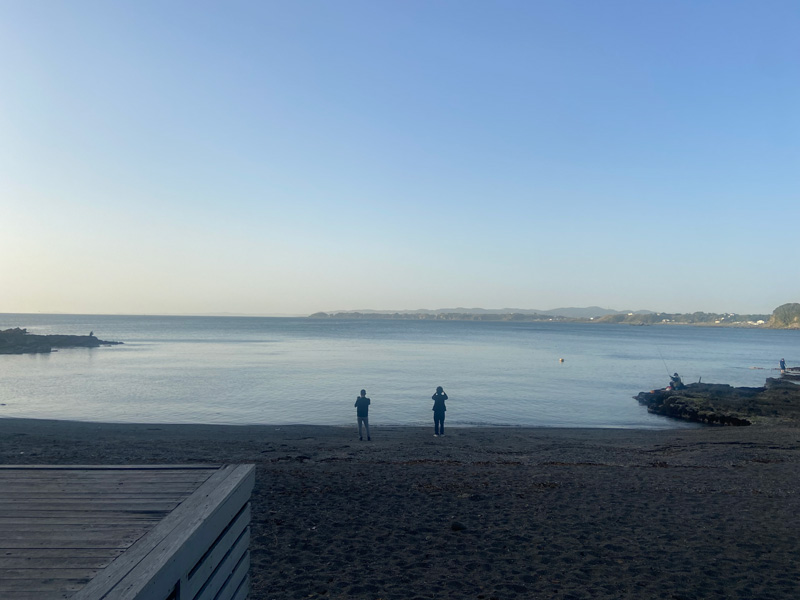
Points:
x=482 y=513
x=675 y=425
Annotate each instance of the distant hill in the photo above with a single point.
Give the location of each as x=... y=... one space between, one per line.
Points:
x=591 y=312
x=439 y=316
x=786 y=316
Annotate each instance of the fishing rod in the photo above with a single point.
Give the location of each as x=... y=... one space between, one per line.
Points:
x=666 y=368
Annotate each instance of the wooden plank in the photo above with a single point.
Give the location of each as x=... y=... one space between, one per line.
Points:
x=97 y=525
x=60 y=526
x=78 y=516
x=167 y=562
x=226 y=573
x=187 y=467
x=243 y=591
x=12 y=525
x=122 y=566
x=111 y=478
x=145 y=496
x=231 y=584
x=209 y=563
x=96 y=541
x=139 y=475
x=97 y=479
x=89 y=503
x=102 y=473
x=46 y=509
x=58 y=554
x=53 y=562
x=66 y=484
x=20 y=488
x=240 y=578
x=26 y=595
x=40 y=585
x=89 y=499
x=70 y=530
x=107 y=485
x=99 y=483
x=110 y=485
x=48 y=574
x=69 y=545
x=66 y=534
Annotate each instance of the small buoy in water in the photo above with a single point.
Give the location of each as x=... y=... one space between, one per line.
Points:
x=560 y=360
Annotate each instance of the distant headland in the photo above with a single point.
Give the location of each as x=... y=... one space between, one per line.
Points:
x=786 y=316
x=19 y=341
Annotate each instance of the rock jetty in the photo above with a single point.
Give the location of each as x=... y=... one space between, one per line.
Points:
x=722 y=404
x=19 y=341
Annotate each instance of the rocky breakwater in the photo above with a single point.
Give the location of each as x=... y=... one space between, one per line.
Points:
x=19 y=341
x=721 y=404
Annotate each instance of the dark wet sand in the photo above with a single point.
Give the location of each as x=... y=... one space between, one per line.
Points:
x=486 y=513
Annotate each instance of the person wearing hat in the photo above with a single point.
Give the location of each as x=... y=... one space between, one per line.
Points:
x=676 y=381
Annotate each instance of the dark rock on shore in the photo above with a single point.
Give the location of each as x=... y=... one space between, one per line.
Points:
x=722 y=404
x=19 y=341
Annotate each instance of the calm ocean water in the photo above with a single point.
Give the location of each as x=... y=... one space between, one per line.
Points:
x=247 y=370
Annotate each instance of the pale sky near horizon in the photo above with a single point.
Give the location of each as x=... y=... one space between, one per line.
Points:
x=296 y=156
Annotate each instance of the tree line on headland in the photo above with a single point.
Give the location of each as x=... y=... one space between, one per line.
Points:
x=786 y=316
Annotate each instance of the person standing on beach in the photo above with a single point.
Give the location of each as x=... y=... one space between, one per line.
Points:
x=362 y=414
x=438 y=411
x=783 y=366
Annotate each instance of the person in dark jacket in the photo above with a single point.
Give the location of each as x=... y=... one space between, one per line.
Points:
x=676 y=381
x=438 y=411
x=362 y=414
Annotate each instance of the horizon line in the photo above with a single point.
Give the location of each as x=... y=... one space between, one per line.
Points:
x=364 y=310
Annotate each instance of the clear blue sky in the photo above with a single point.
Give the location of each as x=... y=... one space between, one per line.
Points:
x=289 y=157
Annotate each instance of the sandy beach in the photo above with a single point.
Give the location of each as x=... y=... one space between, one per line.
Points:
x=486 y=513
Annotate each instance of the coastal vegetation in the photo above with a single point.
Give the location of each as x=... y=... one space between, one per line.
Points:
x=695 y=318
x=786 y=316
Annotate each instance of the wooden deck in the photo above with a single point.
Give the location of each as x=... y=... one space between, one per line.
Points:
x=125 y=532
